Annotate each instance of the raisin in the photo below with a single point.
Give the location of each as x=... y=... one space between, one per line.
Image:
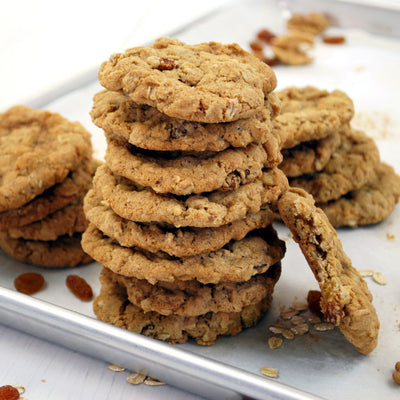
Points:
x=79 y=287
x=9 y=392
x=256 y=46
x=265 y=35
x=166 y=64
x=29 y=282
x=333 y=39
x=314 y=302
x=271 y=61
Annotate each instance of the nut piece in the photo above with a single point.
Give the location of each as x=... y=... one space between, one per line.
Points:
x=270 y=372
x=312 y=23
x=378 y=277
x=136 y=378
x=274 y=342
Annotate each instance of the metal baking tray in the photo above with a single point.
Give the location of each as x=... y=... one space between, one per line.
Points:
x=315 y=366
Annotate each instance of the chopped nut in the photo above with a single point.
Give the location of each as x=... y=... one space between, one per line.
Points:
x=116 y=368
x=366 y=272
x=324 y=326
x=153 y=381
x=136 y=378
x=378 y=277
x=300 y=329
x=275 y=342
x=270 y=372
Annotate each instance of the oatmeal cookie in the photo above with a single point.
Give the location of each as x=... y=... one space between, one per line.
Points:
x=191 y=298
x=147 y=128
x=309 y=157
x=207 y=82
x=309 y=113
x=140 y=204
x=237 y=261
x=187 y=174
x=346 y=300
x=53 y=198
x=177 y=242
x=112 y=306
x=38 y=149
x=370 y=204
x=66 y=251
x=350 y=168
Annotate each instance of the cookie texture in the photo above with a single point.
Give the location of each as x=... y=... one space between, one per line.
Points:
x=235 y=262
x=147 y=128
x=370 y=204
x=350 y=168
x=346 y=300
x=213 y=209
x=191 y=298
x=113 y=306
x=38 y=149
x=207 y=82
x=177 y=242
x=309 y=157
x=66 y=251
x=187 y=174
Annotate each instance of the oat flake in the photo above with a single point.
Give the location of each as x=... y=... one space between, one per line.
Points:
x=270 y=372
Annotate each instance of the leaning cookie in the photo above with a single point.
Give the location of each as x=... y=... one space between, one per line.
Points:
x=350 y=168
x=140 y=204
x=238 y=261
x=112 y=306
x=179 y=242
x=147 y=128
x=346 y=300
x=207 y=82
x=370 y=204
x=38 y=149
x=187 y=174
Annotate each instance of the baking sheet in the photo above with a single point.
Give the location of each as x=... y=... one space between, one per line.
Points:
x=324 y=363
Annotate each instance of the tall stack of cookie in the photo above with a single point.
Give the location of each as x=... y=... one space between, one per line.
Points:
x=180 y=213
x=46 y=167
x=338 y=165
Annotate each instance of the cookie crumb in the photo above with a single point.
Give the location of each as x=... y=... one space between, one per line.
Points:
x=270 y=372
x=390 y=236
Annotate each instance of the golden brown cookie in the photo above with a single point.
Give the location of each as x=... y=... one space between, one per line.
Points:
x=350 y=168
x=370 y=204
x=237 y=261
x=66 y=251
x=177 y=242
x=191 y=298
x=207 y=82
x=112 y=306
x=187 y=174
x=136 y=203
x=38 y=149
x=147 y=128
x=346 y=300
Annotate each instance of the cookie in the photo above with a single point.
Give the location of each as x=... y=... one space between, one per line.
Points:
x=66 y=251
x=177 y=242
x=187 y=174
x=140 y=204
x=350 y=168
x=309 y=113
x=38 y=149
x=345 y=298
x=147 y=128
x=374 y=202
x=207 y=82
x=191 y=298
x=236 y=262
x=53 y=198
x=309 y=157
x=112 y=306
x=67 y=221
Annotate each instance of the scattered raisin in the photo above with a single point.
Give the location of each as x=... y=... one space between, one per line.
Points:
x=271 y=61
x=333 y=39
x=265 y=35
x=9 y=392
x=166 y=64
x=79 y=287
x=256 y=46
x=314 y=302
x=29 y=282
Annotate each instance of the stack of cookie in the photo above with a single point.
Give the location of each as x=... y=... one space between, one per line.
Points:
x=46 y=167
x=180 y=213
x=338 y=165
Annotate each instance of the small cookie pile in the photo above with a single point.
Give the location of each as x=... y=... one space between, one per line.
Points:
x=180 y=214
x=46 y=167
x=338 y=165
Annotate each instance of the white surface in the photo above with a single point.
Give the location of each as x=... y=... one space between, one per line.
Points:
x=366 y=68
